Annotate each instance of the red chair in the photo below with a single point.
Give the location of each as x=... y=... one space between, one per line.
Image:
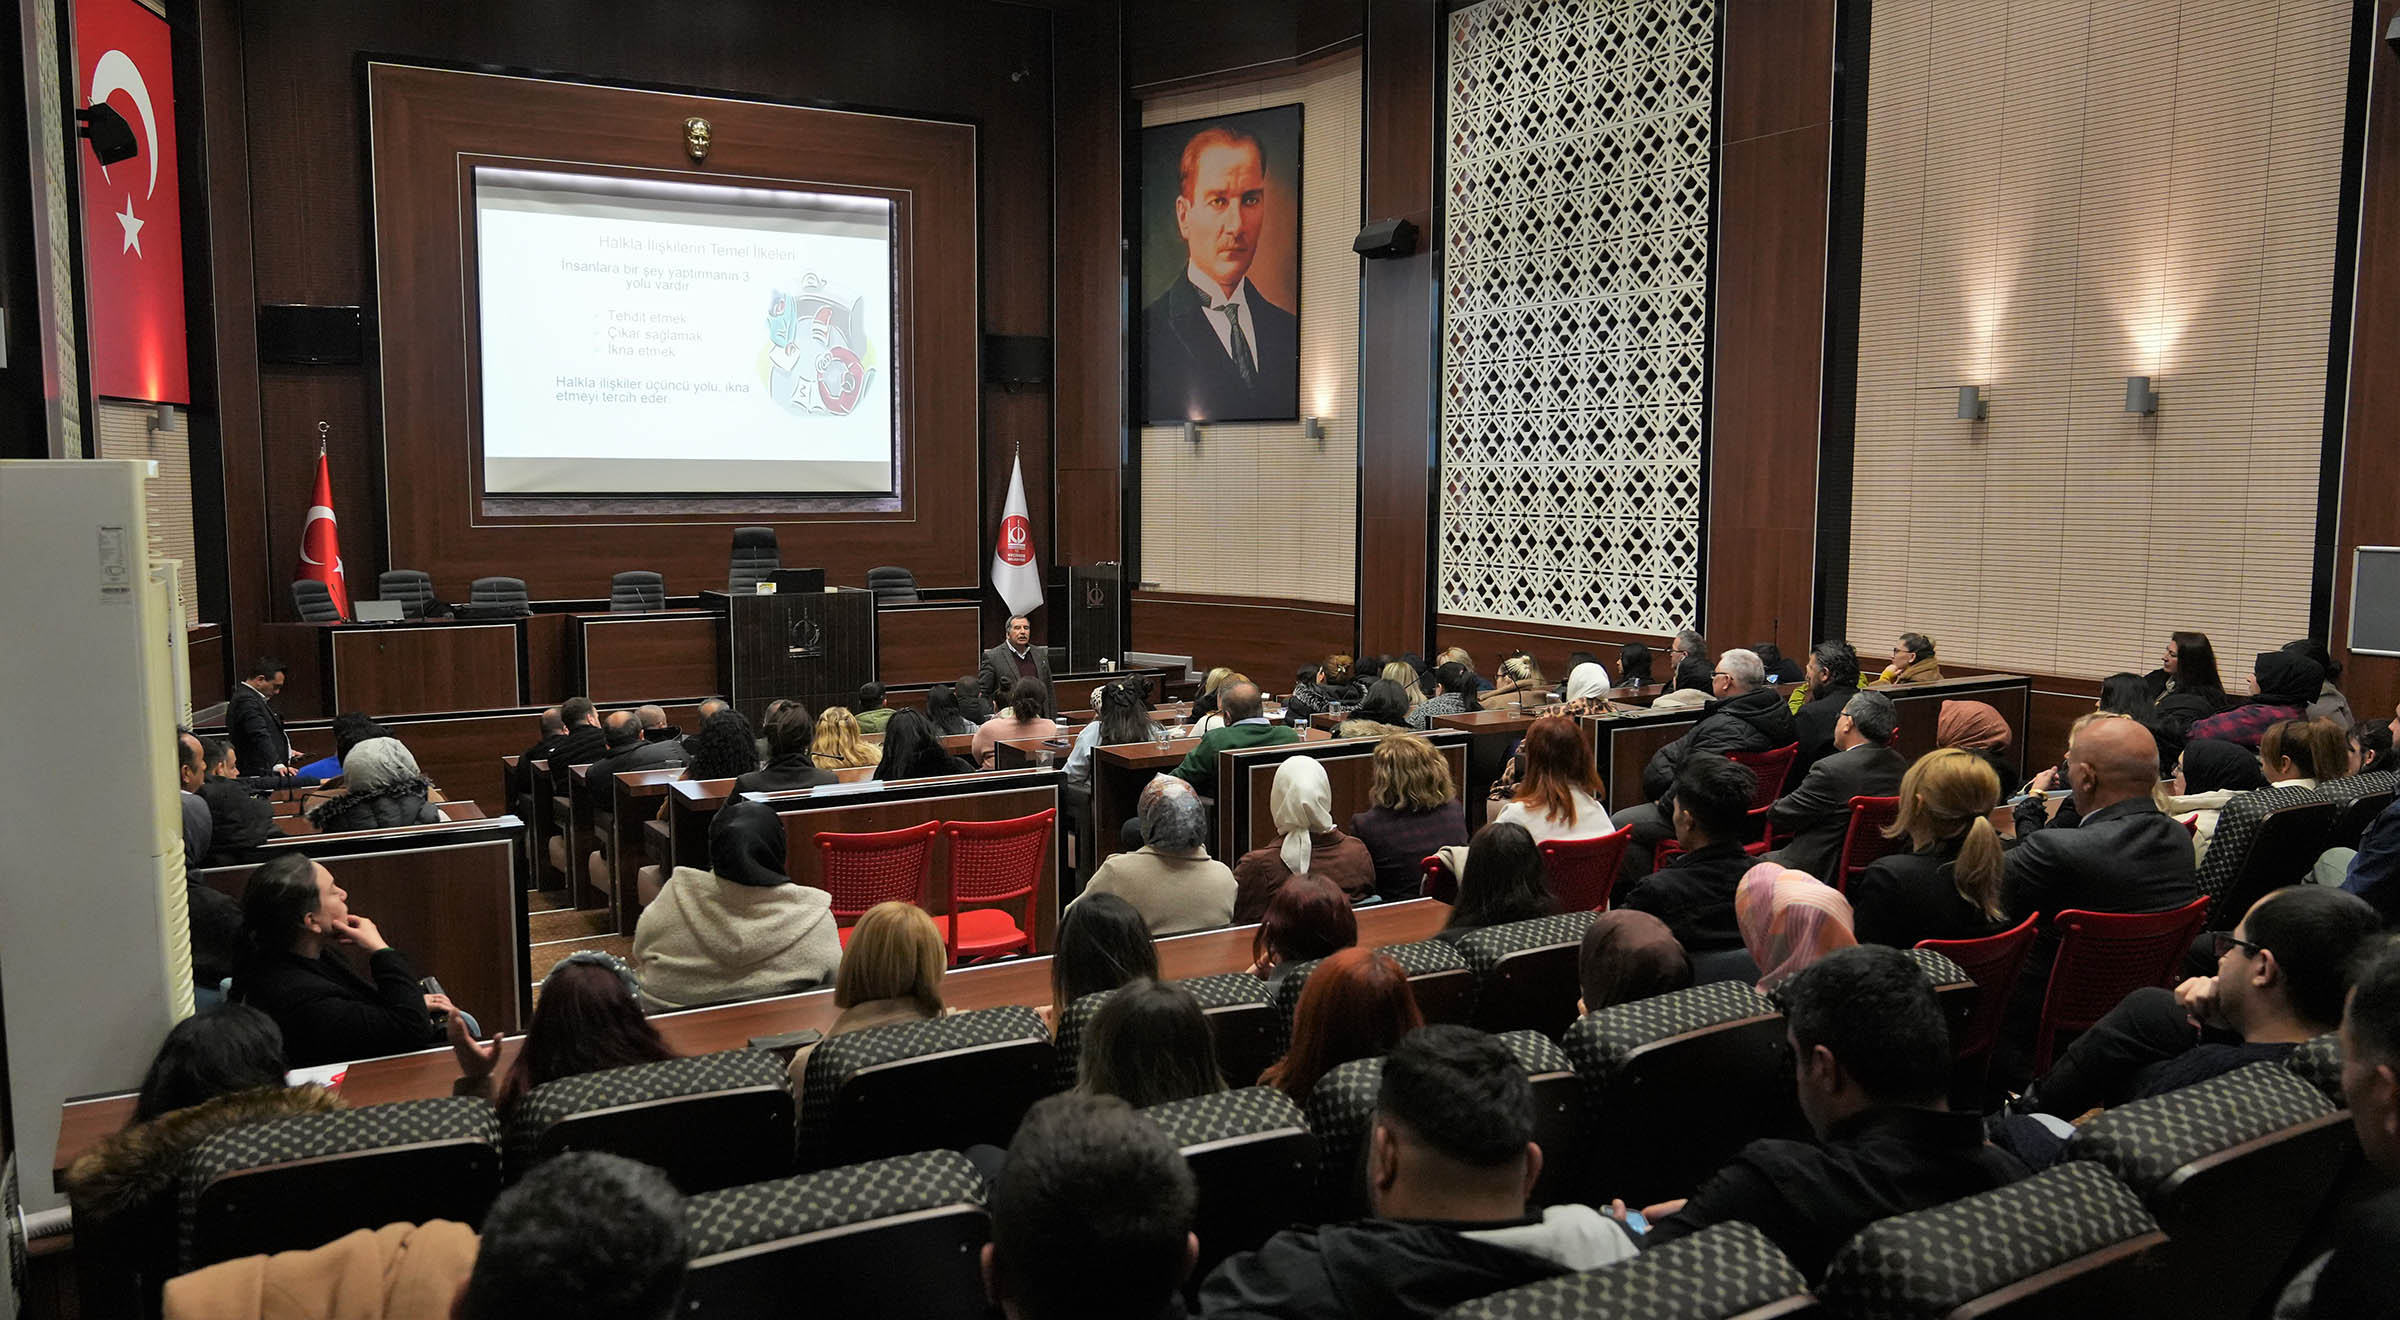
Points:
x=994 y=863
x=1994 y=963
x=1583 y=871
x=861 y=870
x=1440 y=885
x=1865 y=842
x=2104 y=956
x=1772 y=767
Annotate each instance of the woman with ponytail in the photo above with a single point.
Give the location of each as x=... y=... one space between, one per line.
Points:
x=1947 y=887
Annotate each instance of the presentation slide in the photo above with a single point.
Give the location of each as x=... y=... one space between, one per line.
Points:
x=641 y=338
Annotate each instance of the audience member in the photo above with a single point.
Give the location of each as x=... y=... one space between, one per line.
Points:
x=2361 y=1275
x=1477 y=684
x=1693 y=893
x=1415 y=813
x=1815 y=816
x=1208 y=713
x=1022 y=719
x=1947 y=885
x=1688 y=686
x=1789 y=920
x=2371 y=748
x=587 y=1018
x=520 y=775
x=1016 y=659
x=1782 y=671
x=228 y=1049
x=708 y=709
x=723 y=748
x=1559 y=794
x=2330 y=704
x=1829 y=682
x=1091 y=1216
x=1587 y=690
x=1450 y=1163
x=891 y=972
x=1453 y=694
x=1309 y=918
x=293 y=915
x=1356 y=1005
x=1688 y=644
x=239 y=820
x=1521 y=683
x=1871 y=1062
x=1340 y=680
x=793 y=761
x=2209 y=774
x=1400 y=671
x=1745 y=717
x=2372 y=872
x=1102 y=944
x=191 y=771
x=1301 y=803
x=2186 y=685
x=1246 y=726
x=584 y=743
x=868 y=708
x=657 y=729
x=1171 y=880
x=251 y=722
x=1504 y=881
x=350 y=728
x=1124 y=717
x=2302 y=753
x=740 y=929
x=2282 y=687
x=1149 y=1045
x=1974 y=726
x=1382 y=713
x=1633 y=665
x=912 y=750
x=1626 y=956
x=2128 y=694
x=942 y=707
x=840 y=744
x=584 y=1236
x=1912 y=661
x=381 y=788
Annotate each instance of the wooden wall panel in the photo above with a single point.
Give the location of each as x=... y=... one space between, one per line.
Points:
x=2371 y=452
x=1088 y=383
x=1549 y=644
x=1267 y=639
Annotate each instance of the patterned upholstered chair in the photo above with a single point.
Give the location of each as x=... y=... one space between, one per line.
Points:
x=1341 y=1110
x=2070 y=1241
x=1557 y=1113
x=1256 y=1163
x=1723 y=1272
x=2236 y=1169
x=1525 y=972
x=1248 y=1030
x=709 y=1121
x=1440 y=979
x=1951 y=986
x=1674 y=1085
x=950 y=1083
x=899 y=1238
x=293 y=1183
x=2319 y=1063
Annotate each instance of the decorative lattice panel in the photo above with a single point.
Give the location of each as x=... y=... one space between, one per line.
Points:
x=1575 y=310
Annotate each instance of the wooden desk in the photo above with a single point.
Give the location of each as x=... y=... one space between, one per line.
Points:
x=1624 y=743
x=1921 y=712
x=1119 y=773
x=634 y=797
x=428 y=1073
x=929 y=641
x=426 y=667
x=646 y=657
x=1246 y=784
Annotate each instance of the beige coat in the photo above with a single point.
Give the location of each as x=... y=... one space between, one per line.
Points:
x=708 y=941
x=1174 y=892
x=397 y=1272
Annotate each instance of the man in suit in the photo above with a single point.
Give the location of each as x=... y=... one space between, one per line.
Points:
x=1246 y=725
x=1017 y=658
x=239 y=819
x=259 y=741
x=1214 y=349
x=1816 y=815
x=1832 y=677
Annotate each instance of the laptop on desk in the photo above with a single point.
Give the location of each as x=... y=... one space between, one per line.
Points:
x=379 y=611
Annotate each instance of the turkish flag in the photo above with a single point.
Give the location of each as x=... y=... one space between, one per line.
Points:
x=321 y=541
x=132 y=210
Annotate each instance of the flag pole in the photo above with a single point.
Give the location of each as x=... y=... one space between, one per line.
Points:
x=322 y=428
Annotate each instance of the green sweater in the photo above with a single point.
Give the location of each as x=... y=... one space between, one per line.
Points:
x=873 y=721
x=1199 y=769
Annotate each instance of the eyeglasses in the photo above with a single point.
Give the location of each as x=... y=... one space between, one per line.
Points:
x=2223 y=942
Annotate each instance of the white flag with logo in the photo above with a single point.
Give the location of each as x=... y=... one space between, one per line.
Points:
x=1014 y=573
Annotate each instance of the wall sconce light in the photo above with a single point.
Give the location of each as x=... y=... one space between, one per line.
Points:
x=1971 y=405
x=1191 y=433
x=162 y=419
x=2139 y=397
x=1314 y=429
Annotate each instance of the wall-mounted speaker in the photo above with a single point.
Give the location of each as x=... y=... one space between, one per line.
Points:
x=1016 y=361
x=290 y=335
x=2392 y=37
x=1385 y=239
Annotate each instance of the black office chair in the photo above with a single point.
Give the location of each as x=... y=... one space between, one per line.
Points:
x=492 y=595
x=314 y=601
x=412 y=587
x=754 y=557
x=889 y=583
x=635 y=590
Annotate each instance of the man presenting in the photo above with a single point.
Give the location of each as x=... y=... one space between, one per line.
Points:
x=259 y=741
x=1214 y=349
x=1017 y=658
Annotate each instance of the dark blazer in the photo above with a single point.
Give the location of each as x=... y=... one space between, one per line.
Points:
x=239 y=821
x=1906 y=897
x=1812 y=728
x=520 y=775
x=1000 y=674
x=796 y=771
x=1188 y=375
x=329 y=1014
x=1817 y=813
x=256 y=731
x=644 y=755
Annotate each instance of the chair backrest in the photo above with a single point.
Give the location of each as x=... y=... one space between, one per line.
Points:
x=1439 y=883
x=1675 y=1084
x=1557 y=1114
x=412 y=587
x=1993 y=963
x=2281 y=852
x=2067 y=1241
x=637 y=589
x=901 y=1237
x=1438 y=977
x=755 y=556
x=1525 y=972
x=506 y=592
x=708 y=1121
x=1255 y=1161
x=1583 y=871
x=1863 y=842
x=1241 y=1015
x=313 y=602
x=1723 y=1272
x=289 y=1184
x=998 y=861
x=2102 y=957
x=861 y=870
x=892 y=583
x=2318 y=1062
x=1341 y=1110
x=949 y=1083
x=2235 y=1168
x=2356 y=815
x=1772 y=767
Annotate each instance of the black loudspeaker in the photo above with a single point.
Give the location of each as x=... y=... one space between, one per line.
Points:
x=1094 y=599
x=1385 y=239
x=310 y=336
x=2392 y=37
x=1016 y=361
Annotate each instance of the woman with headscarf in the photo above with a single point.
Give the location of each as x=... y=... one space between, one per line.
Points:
x=1302 y=805
x=1974 y=726
x=2330 y=703
x=381 y=788
x=1789 y=919
x=2282 y=686
x=740 y=929
x=1171 y=880
x=1629 y=955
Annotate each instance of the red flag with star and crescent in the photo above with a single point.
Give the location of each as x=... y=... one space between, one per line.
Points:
x=321 y=540
x=132 y=216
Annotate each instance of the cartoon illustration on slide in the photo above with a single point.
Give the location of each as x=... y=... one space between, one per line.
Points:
x=818 y=359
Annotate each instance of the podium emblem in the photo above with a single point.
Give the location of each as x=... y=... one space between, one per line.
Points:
x=806 y=639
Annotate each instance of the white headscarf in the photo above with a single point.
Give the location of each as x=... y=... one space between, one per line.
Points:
x=1587 y=681
x=1302 y=802
x=378 y=764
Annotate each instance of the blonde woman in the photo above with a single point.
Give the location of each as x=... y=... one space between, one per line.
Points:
x=840 y=743
x=891 y=972
x=1206 y=705
x=1416 y=813
x=1521 y=683
x=1947 y=886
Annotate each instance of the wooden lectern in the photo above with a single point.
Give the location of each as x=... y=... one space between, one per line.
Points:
x=817 y=646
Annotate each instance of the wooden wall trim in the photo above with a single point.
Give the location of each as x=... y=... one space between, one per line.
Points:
x=1265 y=638
x=2368 y=514
x=1088 y=390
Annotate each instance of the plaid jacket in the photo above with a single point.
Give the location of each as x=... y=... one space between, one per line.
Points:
x=2244 y=724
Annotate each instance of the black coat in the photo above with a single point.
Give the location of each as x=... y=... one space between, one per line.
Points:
x=239 y=821
x=1906 y=897
x=1755 y=721
x=584 y=744
x=1694 y=896
x=329 y=1014
x=1187 y=374
x=1380 y=1268
x=520 y=775
x=386 y=810
x=784 y=772
x=1812 y=728
x=256 y=731
x=1817 y=813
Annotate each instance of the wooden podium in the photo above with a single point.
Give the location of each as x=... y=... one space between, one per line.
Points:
x=818 y=646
